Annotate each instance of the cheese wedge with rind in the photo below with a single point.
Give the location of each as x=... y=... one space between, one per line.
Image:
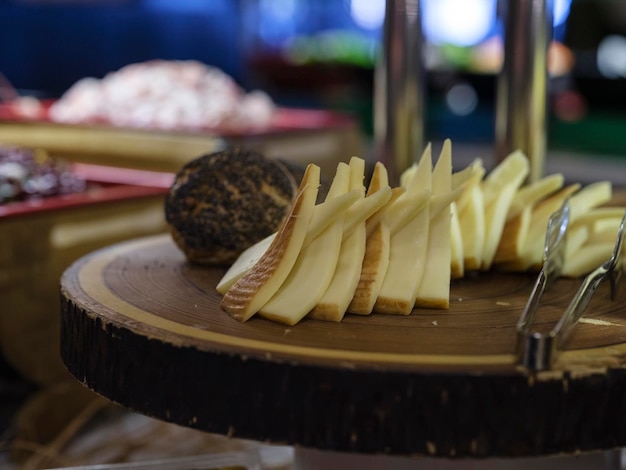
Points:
x=260 y=283
x=376 y=257
x=248 y=258
x=324 y=214
x=315 y=266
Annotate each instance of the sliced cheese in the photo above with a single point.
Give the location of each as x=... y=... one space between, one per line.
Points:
x=376 y=257
x=532 y=193
x=260 y=283
x=510 y=172
x=364 y=208
x=472 y=223
x=589 y=197
x=323 y=215
x=469 y=173
x=516 y=229
x=476 y=178
x=328 y=211
x=457 y=267
x=434 y=289
x=532 y=253
x=333 y=304
x=587 y=258
x=314 y=268
x=499 y=189
x=243 y=263
x=408 y=247
x=513 y=238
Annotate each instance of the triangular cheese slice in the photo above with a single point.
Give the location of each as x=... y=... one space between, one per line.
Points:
x=434 y=290
x=376 y=257
x=314 y=268
x=408 y=247
x=335 y=301
x=260 y=283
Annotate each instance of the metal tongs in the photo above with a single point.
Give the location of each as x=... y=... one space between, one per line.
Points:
x=537 y=351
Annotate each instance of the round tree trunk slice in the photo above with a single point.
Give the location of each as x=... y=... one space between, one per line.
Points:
x=143 y=327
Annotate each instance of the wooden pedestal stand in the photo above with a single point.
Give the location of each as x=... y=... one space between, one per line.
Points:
x=143 y=327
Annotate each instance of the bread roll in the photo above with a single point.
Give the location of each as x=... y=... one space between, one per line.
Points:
x=222 y=203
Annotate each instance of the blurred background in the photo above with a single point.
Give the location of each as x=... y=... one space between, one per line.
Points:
x=311 y=54
x=321 y=53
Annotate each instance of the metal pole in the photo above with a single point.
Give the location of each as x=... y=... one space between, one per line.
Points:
x=521 y=100
x=399 y=89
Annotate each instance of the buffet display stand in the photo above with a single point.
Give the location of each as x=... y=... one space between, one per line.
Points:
x=435 y=389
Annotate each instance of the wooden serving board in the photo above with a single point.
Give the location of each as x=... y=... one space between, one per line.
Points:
x=143 y=327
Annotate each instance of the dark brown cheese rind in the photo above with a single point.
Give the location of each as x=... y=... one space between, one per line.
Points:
x=224 y=202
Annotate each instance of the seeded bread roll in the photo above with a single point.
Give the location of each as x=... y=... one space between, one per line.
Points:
x=222 y=203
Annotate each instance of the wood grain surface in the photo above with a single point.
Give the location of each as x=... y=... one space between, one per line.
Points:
x=143 y=327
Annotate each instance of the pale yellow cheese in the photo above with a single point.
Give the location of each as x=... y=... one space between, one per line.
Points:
x=532 y=193
x=243 y=263
x=499 y=189
x=315 y=266
x=308 y=279
x=434 y=289
x=532 y=252
x=457 y=267
x=334 y=302
x=514 y=235
x=472 y=223
x=260 y=283
x=323 y=215
x=407 y=251
x=376 y=257
x=589 y=197
x=587 y=258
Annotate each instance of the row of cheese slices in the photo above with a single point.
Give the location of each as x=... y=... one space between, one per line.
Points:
x=389 y=250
